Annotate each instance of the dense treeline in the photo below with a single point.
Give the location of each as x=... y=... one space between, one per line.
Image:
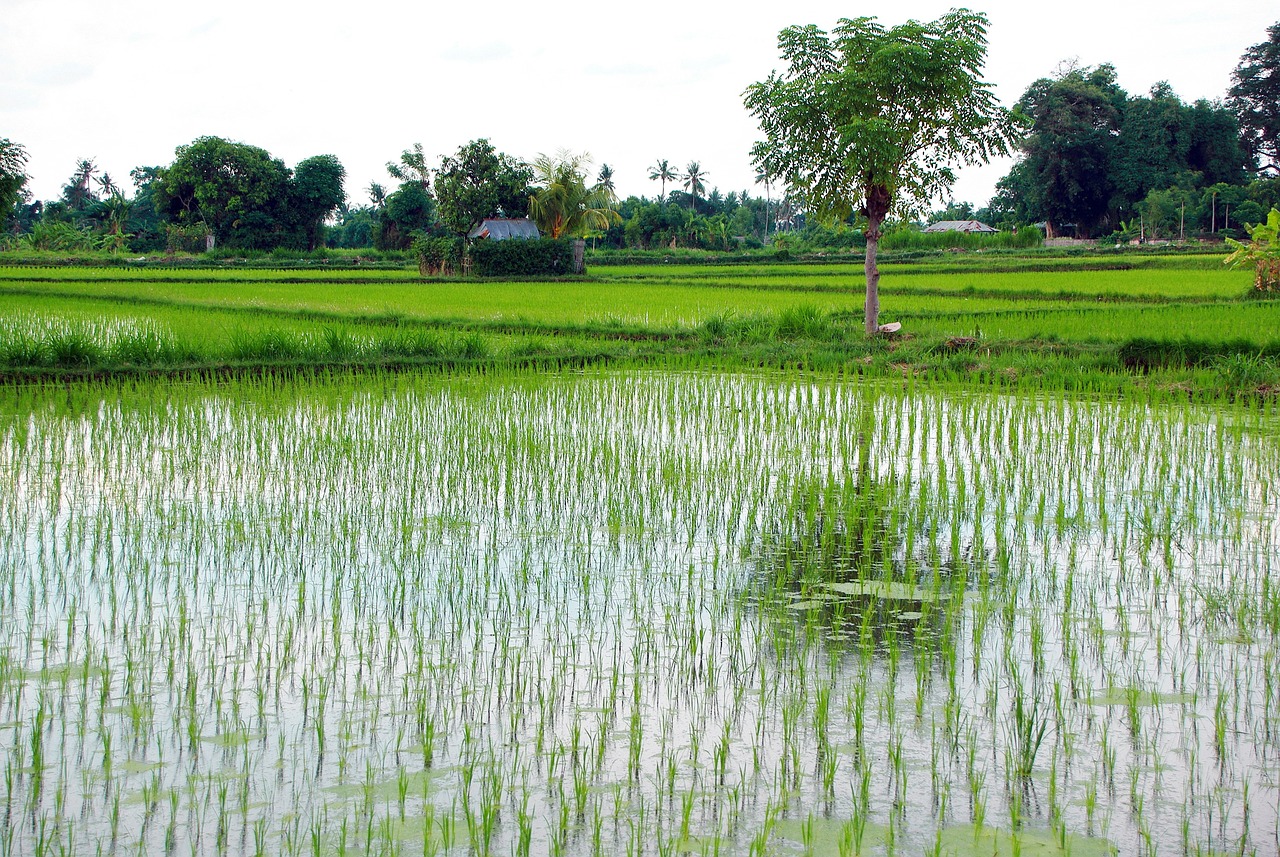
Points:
x=1100 y=161
x=1096 y=161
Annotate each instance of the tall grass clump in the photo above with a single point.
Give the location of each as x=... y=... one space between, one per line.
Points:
x=897 y=240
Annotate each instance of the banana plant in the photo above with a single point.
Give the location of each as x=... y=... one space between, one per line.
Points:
x=1262 y=252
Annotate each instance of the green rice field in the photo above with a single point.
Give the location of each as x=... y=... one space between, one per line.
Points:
x=1057 y=313
x=635 y=613
x=670 y=560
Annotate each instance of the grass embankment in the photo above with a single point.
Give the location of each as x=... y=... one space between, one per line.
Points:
x=1041 y=321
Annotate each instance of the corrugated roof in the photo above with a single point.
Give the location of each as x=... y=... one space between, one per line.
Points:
x=959 y=226
x=500 y=229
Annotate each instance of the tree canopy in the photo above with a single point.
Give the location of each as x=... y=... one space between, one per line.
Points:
x=248 y=199
x=316 y=193
x=564 y=205
x=1095 y=154
x=1255 y=98
x=236 y=190
x=13 y=175
x=873 y=119
x=479 y=182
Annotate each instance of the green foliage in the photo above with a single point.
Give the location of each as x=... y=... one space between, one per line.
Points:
x=563 y=205
x=55 y=235
x=247 y=199
x=78 y=193
x=1262 y=252
x=354 y=228
x=517 y=258
x=439 y=255
x=1075 y=121
x=410 y=209
x=145 y=221
x=1146 y=353
x=13 y=176
x=911 y=239
x=1152 y=145
x=870 y=119
x=316 y=194
x=1095 y=153
x=1255 y=98
x=412 y=167
x=1241 y=372
x=479 y=182
x=185 y=237
x=663 y=172
x=238 y=191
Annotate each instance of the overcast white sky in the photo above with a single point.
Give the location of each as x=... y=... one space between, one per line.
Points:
x=125 y=82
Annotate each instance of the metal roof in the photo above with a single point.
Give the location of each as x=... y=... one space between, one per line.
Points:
x=959 y=226
x=500 y=229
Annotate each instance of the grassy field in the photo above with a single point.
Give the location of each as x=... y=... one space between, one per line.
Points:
x=1044 y=319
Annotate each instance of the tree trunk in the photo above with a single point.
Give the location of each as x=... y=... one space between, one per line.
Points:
x=872 y=318
x=877 y=209
x=579 y=256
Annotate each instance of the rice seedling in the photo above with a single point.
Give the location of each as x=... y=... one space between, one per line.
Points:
x=626 y=612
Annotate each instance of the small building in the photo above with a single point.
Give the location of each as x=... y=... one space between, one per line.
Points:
x=967 y=226
x=502 y=228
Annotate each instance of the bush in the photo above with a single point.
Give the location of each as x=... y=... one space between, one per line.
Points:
x=517 y=258
x=438 y=255
x=185 y=238
x=52 y=235
x=1262 y=252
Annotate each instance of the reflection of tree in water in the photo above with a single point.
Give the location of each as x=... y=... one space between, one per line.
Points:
x=838 y=564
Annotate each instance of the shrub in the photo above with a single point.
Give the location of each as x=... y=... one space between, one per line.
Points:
x=438 y=255
x=188 y=238
x=516 y=258
x=1262 y=252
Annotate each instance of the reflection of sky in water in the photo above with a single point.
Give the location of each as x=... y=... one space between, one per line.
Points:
x=517 y=562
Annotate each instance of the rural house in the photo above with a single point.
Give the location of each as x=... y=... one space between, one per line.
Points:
x=501 y=228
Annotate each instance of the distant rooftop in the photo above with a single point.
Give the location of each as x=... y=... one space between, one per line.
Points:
x=500 y=229
x=960 y=226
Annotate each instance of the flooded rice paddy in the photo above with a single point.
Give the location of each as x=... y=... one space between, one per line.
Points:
x=634 y=614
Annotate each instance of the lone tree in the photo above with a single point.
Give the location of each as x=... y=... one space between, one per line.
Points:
x=872 y=120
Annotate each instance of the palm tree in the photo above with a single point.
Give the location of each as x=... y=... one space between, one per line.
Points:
x=106 y=186
x=663 y=172
x=763 y=178
x=693 y=183
x=77 y=192
x=605 y=178
x=563 y=205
